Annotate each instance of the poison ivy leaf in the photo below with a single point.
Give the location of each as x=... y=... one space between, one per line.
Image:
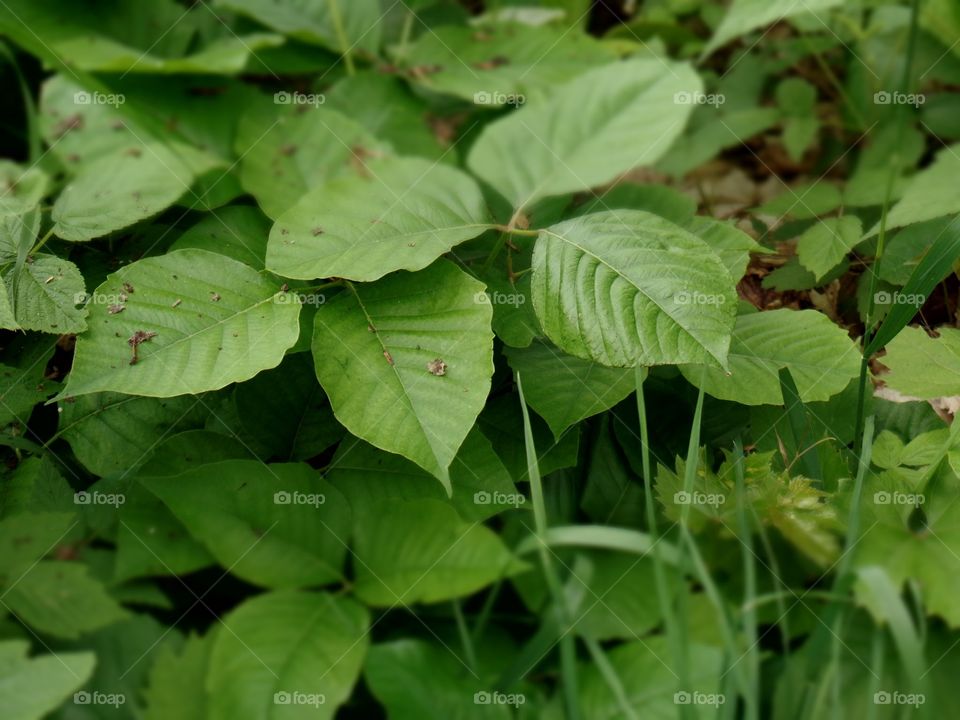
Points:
x=924 y=367
x=45 y=293
x=482 y=487
x=402 y=214
x=824 y=245
x=289 y=151
x=238 y=231
x=216 y=321
x=420 y=551
x=746 y=15
x=120 y=190
x=272 y=525
x=110 y=432
x=61 y=599
x=820 y=356
x=21 y=189
x=628 y=288
x=729 y=243
x=500 y=64
x=601 y=124
x=928 y=195
x=339 y=25
x=563 y=389
x=31 y=688
x=35 y=487
x=406 y=362
x=287 y=654
x=177 y=681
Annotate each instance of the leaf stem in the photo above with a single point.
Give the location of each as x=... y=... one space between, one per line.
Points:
x=342 y=39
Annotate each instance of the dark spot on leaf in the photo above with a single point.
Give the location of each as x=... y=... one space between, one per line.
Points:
x=388 y=356
x=437 y=367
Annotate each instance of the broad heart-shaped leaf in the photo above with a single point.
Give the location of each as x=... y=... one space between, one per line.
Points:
x=924 y=367
x=627 y=288
x=288 y=149
x=821 y=358
x=61 y=599
x=502 y=63
x=402 y=214
x=119 y=190
x=216 y=320
x=317 y=22
x=282 y=643
x=421 y=551
x=564 y=389
x=45 y=293
x=746 y=15
x=596 y=127
x=406 y=362
x=272 y=525
x=32 y=687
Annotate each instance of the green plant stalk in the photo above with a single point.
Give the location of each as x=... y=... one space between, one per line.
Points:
x=749 y=620
x=568 y=656
x=611 y=677
x=465 y=639
x=342 y=39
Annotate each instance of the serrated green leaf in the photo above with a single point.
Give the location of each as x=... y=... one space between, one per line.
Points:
x=820 y=356
x=31 y=688
x=402 y=214
x=629 y=288
x=45 y=293
x=177 y=681
x=591 y=130
x=824 y=245
x=216 y=321
x=406 y=362
x=21 y=189
x=286 y=642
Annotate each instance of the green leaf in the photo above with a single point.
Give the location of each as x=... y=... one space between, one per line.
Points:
x=35 y=487
x=824 y=246
x=563 y=389
x=596 y=127
x=273 y=525
x=61 y=599
x=731 y=244
x=177 y=681
x=216 y=321
x=31 y=688
x=421 y=551
x=45 y=293
x=406 y=362
x=924 y=367
x=929 y=194
x=401 y=215
x=119 y=190
x=629 y=288
x=501 y=64
x=287 y=151
x=820 y=356
x=26 y=538
x=286 y=642
x=317 y=22
x=22 y=188
x=238 y=231
x=746 y=15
